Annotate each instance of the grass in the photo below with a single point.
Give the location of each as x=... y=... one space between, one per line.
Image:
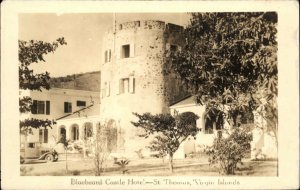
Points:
x=186 y=167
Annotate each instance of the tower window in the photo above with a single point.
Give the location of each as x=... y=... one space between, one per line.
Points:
x=109 y=55
x=127 y=85
x=125 y=51
x=105 y=57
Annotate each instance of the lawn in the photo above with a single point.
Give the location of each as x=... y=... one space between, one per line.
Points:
x=148 y=167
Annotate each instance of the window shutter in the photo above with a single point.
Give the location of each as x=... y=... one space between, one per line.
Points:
x=119 y=87
x=40 y=135
x=45 y=135
x=131 y=50
x=65 y=107
x=109 y=56
x=131 y=84
x=107 y=89
x=122 y=86
x=47 y=107
x=105 y=56
x=34 y=107
x=70 y=107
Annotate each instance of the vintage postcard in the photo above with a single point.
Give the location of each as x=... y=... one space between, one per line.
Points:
x=150 y=95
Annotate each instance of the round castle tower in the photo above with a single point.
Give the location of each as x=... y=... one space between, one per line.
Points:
x=133 y=77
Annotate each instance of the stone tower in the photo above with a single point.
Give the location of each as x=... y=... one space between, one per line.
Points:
x=133 y=77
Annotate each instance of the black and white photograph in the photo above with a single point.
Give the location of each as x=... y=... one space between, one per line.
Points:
x=148 y=99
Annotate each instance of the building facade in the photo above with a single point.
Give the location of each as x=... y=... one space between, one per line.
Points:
x=54 y=104
x=134 y=78
x=263 y=144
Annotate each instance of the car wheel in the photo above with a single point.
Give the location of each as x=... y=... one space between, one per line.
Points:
x=49 y=158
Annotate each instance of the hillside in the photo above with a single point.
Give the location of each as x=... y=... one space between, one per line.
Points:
x=83 y=81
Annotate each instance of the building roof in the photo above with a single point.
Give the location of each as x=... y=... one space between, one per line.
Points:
x=91 y=110
x=186 y=101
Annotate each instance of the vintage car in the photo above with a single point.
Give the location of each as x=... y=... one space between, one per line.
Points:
x=34 y=150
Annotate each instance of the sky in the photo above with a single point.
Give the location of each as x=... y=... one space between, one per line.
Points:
x=83 y=33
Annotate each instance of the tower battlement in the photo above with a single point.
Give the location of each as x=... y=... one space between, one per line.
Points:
x=147 y=25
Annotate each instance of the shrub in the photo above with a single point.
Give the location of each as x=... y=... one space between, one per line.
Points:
x=76 y=172
x=139 y=153
x=226 y=153
x=123 y=163
x=25 y=170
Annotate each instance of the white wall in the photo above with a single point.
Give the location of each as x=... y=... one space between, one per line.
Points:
x=57 y=97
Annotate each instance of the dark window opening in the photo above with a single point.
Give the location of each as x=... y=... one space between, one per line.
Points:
x=34 y=107
x=62 y=132
x=88 y=130
x=31 y=145
x=81 y=103
x=105 y=57
x=109 y=55
x=125 y=51
x=68 y=107
x=40 y=107
x=213 y=121
x=124 y=85
x=75 y=132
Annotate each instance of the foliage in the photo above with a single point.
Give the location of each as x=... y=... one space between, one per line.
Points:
x=159 y=145
x=226 y=153
x=27 y=125
x=101 y=149
x=229 y=61
x=139 y=153
x=33 y=52
x=171 y=130
x=65 y=142
x=26 y=170
x=123 y=163
x=83 y=81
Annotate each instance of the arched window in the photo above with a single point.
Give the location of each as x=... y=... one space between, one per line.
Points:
x=87 y=130
x=74 y=132
x=62 y=131
x=213 y=120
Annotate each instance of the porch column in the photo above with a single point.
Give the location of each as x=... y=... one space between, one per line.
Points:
x=68 y=135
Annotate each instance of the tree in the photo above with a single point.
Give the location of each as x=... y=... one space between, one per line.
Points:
x=173 y=130
x=33 y=52
x=159 y=145
x=63 y=140
x=101 y=146
x=229 y=61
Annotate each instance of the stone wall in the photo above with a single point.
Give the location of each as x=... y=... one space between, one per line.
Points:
x=144 y=68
